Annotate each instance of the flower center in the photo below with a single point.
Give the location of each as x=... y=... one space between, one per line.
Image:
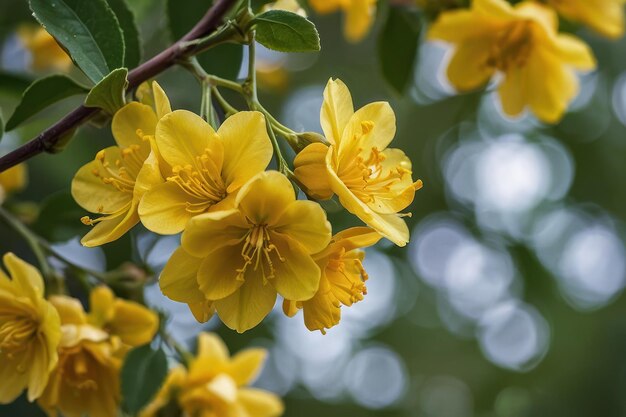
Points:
x=78 y=369
x=367 y=177
x=201 y=182
x=257 y=250
x=15 y=334
x=513 y=46
x=348 y=281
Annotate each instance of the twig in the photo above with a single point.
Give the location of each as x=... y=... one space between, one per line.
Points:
x=46 y=140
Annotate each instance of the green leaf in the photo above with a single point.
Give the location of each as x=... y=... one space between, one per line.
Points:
x=397 y=47
x=142 y=375
x=41 y=94
x=223 y=60
x=287 y=32
x=126 y=18
x=109 y=94
x=88 y=30
x=13 y=84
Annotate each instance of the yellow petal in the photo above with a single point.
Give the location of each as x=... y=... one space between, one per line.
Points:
x=493 y=8
x=92 y=193
x=325 y=6
x=297 y=276
x=323 y=310
x=550 y=86
x=543 y=15
x=246 y=365
x=468 y=69
x=305 y=222
x=203 y=310
x=131 y=122
x=133 y=323
x=149 y=176
x=402 y=192
x=110 y=230
x=260 y=403
x=183 y=136
x=39 y=371
x=265 y=197
x=178 y=280
x=310 y=170
x=26 y=278
x=372 y=126
x=223 y=387
x=211 y=231
x=247 y=148
x=219 y=274
x=163 y=209
x=70 y=309
x=210 y=346
x=12 y=382
x=359 y=18
x=350 y=239
x=161 y=102
x=247 y=306
x=575 y=52
x=14 y=178
x=390 y=226
x=291 y=308
x=456 y=26
x=101 y=305
x=337 y=110
x=513 y=91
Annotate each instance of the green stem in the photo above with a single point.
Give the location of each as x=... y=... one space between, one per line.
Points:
x=193 y=66
x=31 y=239
x=230 y=110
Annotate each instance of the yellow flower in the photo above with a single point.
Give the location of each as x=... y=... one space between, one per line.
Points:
x=112 y=185
x=288 y=5
x=30 y=331
x=215 y=384
x=604 y=16
x=86 y=380
x=521 y=43
x=242 y=257
x=45 y=51
x=343 y=279
x=202 y=168
x=13 y=179
x=359 y=15
x=371 y=181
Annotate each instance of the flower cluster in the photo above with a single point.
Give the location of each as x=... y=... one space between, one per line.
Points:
x=523 y=44
x=69 y=360
x=215 y=384
x=246 y=238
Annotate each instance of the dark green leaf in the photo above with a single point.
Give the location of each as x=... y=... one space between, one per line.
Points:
x=397 y=47
x=13 y=84
x=88 y=30
x=126 y=18
x=41 y=94
x=142 y=375
x=287 y=32
x=222 y=60
x=109 y=94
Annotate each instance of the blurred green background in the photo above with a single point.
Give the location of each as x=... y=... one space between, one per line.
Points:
x=508 y=301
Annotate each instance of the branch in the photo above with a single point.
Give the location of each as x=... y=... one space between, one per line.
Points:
x=46 y=140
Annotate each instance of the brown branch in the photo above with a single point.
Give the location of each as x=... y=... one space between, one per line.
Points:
x=46 y=140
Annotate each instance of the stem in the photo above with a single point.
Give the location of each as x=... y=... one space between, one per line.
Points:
x=46 y=140
x=230 y=110
x=32 y=240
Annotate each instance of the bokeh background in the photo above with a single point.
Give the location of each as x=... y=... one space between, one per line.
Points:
x=508 y=300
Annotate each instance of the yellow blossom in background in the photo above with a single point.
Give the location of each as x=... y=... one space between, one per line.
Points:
x=112 y=185
x=343 y=279
x=12 y=180
x=522 y=44
x=359 y=18
x=372 y=181
x=45 y=51
x=241 y=258
x=92 y=349
x=205 y=168
x=30 y=331
x=604 y=16
x=215 y=385
x=288 y=5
